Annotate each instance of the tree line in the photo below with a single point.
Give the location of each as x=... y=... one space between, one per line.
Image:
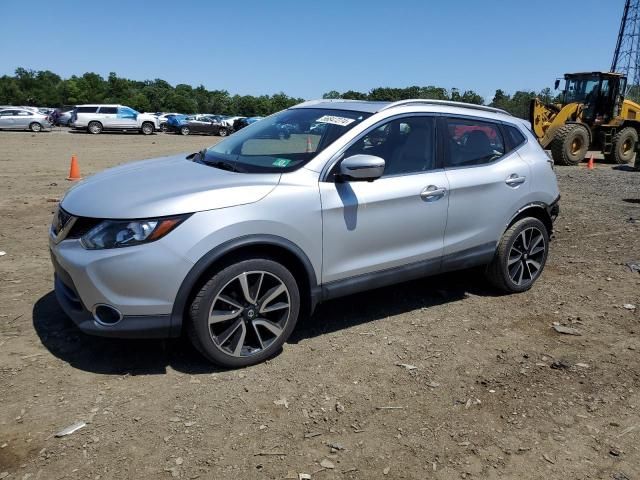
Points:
x=46 y=88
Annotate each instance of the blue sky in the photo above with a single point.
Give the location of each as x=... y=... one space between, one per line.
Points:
x=306 y=48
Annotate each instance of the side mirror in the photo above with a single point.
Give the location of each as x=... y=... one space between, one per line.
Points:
x=362 y=168
x=556 y=84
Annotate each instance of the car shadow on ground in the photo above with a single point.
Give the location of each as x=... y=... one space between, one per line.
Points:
x=110 y=356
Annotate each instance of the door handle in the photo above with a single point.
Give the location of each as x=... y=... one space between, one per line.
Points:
x=514 y=180
x=433 y=193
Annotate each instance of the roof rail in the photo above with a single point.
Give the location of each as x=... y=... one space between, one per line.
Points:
x=447 y=103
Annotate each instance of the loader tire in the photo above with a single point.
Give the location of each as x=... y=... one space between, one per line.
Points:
x=624 y=146
x=570 y=144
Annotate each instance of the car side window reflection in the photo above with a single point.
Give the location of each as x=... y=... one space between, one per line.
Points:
x=407 y=145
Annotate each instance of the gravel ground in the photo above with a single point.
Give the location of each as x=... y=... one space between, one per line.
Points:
x=438 y=378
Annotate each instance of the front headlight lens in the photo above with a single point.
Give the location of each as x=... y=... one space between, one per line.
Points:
x=126 y=233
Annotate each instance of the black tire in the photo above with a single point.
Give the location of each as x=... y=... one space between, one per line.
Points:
x=570 y=145
x=35 y=127
x=147 y=128
x=624 y=146
x=223 y=132
x=503 y=267
x=185 y=130
x=94 y=127
x=201 y=332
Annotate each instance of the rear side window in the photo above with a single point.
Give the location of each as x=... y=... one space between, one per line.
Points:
x=515 y=137
x=111 y=110
x=472 y=142
x=87 y=109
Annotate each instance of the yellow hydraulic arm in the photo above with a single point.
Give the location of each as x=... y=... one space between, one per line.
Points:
x=547 y=119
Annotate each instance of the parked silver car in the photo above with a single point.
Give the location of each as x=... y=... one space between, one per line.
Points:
x=23 y=119
x=234 y=243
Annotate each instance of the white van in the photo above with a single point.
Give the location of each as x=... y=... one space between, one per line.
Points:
x=96 y=118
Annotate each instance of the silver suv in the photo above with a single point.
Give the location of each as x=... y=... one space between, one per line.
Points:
x=234 y=243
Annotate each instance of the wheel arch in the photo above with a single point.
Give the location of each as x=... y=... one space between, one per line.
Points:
x=270 y=246
x=538 y=210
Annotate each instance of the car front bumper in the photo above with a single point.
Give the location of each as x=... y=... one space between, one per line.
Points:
x=141 y=283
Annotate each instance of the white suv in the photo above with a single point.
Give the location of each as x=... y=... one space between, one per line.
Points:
x=96 y=118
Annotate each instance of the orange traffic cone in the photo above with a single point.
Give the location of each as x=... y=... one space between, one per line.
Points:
x=309 y=146
x=74 y=170
x=590 y=163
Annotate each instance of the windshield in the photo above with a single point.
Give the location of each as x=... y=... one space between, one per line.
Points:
x=282 y=142
x=582 y=90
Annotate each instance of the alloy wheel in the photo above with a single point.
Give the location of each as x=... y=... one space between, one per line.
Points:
x=526 y=256
x=249 y=313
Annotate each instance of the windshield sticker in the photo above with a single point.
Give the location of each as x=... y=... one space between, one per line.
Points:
x=281 y=162
x=342 y=121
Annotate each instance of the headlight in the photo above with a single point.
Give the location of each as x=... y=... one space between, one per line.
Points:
x=126 y=233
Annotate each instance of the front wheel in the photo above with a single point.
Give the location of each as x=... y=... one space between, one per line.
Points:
x=223 y=132
x=570 y=144
x=520 y=257
x=147 y=128
x=244 y=313
x=35 y=127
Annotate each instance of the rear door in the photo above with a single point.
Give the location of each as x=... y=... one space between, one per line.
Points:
x=487 y=185
x=108 y=117
x=396 y=220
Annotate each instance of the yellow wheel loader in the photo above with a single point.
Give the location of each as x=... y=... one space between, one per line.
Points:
x=593 y=115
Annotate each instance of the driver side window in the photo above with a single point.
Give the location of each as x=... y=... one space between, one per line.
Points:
x=407 y=145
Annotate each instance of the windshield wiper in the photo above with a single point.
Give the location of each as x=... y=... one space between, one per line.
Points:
x=222 y=165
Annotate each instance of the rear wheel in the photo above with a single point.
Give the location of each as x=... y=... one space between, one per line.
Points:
x=570 y=144
x=244 y=313
x=147 y=128
x=35 y=127
x=94 y=127
x=624 y=146
x=520 y=257
x=163 y=127
x=185 y=130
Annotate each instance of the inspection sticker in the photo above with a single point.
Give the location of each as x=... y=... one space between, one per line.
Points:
x=342 y=121
x=281 y=162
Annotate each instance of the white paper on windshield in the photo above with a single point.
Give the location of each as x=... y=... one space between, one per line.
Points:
x=342 y=121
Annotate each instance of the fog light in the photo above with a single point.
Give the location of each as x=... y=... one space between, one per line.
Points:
x=106 y=315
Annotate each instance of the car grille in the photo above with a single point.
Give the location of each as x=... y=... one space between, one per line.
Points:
x=78 y=226
x=60 y=220
x=82 y=226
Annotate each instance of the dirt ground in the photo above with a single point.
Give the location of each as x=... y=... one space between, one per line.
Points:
x=495 y=392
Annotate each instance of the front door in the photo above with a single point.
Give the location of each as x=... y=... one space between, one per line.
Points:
x=126 y=118
x=394 y=221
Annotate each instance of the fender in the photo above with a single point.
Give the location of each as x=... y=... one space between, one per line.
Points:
x=552 y=212
x=225 y=248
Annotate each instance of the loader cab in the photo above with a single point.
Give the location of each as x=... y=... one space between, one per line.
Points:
x=601 y=94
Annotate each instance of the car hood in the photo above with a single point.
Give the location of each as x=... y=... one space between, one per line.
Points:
x=164 y=186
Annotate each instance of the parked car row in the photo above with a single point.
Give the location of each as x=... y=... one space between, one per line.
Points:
x=96 y=118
